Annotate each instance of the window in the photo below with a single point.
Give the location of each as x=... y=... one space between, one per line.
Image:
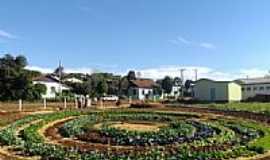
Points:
x=134 y=91
x=268 y=87
x=143 y=92
x=254 y=88
x=261 y=88
x=53 y=90
x=248 y=89
x=243 y=89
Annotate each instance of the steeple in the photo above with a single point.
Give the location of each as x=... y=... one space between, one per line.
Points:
x=59 y=71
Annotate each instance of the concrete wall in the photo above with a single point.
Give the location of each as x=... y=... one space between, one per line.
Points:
x=224 y=91
x=235 y=92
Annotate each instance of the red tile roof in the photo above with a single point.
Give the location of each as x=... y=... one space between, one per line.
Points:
x=45 y=78
x=143 y=83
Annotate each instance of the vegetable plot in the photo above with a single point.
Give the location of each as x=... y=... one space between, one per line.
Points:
x=106 y=135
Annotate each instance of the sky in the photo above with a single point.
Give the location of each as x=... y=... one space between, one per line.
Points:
x=223 y=39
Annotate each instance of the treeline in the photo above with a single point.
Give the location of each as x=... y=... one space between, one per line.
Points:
x=99 y=84
x=16 y=81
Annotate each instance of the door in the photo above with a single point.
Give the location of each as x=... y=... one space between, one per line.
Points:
x=213 y=94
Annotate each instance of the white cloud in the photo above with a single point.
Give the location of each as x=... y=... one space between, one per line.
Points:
x=253 y=72
x=67 y=70
x=5 y=34
x=40 y=69
x=81 y=70
x=173 y=71
x=84 y=8
x=207 y=45
x=181 y=40
x=203 y=72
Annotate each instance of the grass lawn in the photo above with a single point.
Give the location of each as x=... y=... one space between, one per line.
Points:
x=252 y=107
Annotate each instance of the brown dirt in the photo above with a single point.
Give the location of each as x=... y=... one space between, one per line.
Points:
x=135 y=126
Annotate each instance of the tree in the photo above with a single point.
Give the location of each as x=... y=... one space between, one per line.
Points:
x=123 y=86
x=102 y=88
x=15 y=81
x=167 y=84
x=177 y=81
x=40 y=88
x=82 y=88
x=21 y=61
x=131 y=75
x=188 y=84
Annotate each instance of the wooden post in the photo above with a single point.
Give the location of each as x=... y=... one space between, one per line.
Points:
x=44 y=103
x=101 y=103
x=20 y=105
x=65 y=103
x=89 y=102
x=76 y=103
x=130 y=100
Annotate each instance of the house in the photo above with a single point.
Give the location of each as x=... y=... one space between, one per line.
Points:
x=52 y=84
x=72 y=80
x=176 y=88
x=176 y=91
x=221 y=91
x=252 y=87
x=141 y=89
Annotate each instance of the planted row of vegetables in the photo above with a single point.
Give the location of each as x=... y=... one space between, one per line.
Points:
x=185 y=136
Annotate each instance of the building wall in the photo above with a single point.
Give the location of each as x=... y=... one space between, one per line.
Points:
x=140 y=93
x=251 y=90
x=176 y=91
x=203 y=88
x=224 y=91
x=52 y=88
x=235 y=92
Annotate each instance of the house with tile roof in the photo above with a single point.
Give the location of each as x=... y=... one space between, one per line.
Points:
x=53 y=85
x=141 y=89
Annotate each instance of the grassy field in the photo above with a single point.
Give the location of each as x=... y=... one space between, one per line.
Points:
x=251 y=107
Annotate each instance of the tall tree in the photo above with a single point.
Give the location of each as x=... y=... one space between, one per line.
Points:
x=167 y=84
x=15 y=82
x=177 y=81
x=102 y=88
x=131 y=75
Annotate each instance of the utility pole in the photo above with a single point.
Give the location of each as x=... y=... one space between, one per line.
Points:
x=182 y=78
x=196 y=74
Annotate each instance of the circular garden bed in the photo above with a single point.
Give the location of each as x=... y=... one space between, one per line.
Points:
x=135 y=135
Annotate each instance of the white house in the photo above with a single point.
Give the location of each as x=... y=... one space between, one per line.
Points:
x=141 y=89
x=252 y=87
x=52 y=84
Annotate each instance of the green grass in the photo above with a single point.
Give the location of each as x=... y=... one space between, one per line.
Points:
x=251 y=107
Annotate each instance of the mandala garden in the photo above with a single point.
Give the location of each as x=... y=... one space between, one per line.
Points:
x=135 y=135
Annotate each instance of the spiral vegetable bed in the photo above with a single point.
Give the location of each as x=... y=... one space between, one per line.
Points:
x=135 y=135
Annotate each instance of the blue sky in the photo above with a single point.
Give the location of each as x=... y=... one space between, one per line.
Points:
x=157 y=37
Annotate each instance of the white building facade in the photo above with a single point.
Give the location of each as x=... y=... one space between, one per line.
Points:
x=252 y=87
x=141 y=89
x=53 y=86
